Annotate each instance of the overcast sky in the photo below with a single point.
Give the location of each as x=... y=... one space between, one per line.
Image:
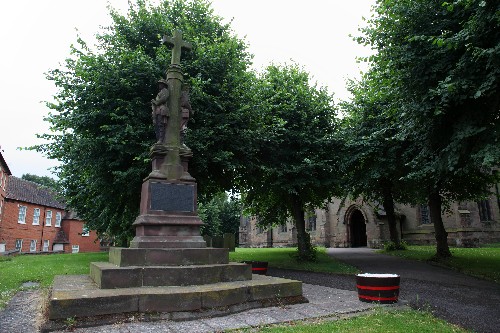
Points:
x=36 y=35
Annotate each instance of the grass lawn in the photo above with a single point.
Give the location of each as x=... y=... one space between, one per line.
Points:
x=282 y=258
x=14 y=271
x=380 y=321
x=483 y=262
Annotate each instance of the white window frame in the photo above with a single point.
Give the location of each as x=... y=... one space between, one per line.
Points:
x=48 y=218
x=21 y=218
x=46 y=244
x=85 y=231
x=36 y=217
x=1 y=206
x=75 y=248
x=33 y=245
x=58 y=220
x=19 y=242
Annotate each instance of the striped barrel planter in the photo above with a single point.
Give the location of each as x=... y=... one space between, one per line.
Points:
x=258 y=267
x=378 y=288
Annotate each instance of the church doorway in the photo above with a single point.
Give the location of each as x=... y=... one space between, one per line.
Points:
x=357 y=225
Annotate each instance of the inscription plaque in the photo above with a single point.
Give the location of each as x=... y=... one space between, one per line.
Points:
x=172 y=197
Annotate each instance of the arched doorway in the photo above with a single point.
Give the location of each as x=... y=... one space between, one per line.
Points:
x=357 y=229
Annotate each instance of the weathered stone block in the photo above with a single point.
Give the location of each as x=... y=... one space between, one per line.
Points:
x=236 y=272
x=170 y=302
x=124 y=257
x=109 y=276
x=215 y=297
x=275 y=289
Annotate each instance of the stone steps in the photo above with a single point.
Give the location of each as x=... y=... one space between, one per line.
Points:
x=109 y=276
x=79 y=296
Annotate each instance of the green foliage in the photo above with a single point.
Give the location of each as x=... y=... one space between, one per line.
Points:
x=42 y=180
x=41 y=268
x=442 y=60
x=291 y=167
x=282 y=258
x=393 y=246
x=220 y=214
x=309 y=254
x=101 y=118
x=439 y=61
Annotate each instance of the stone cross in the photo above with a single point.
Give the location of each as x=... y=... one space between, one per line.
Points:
x=178 y=44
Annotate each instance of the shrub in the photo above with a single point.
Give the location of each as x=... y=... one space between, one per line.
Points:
x=392 y=246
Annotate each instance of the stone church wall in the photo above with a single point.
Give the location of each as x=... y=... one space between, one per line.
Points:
x=348 y=223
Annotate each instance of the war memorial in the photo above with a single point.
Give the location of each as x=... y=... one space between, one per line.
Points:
x=168 y=272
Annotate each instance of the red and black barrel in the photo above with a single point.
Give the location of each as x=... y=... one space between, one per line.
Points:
x=258 y=267
x=378 y=288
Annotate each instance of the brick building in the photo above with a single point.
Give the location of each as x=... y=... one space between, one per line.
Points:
x=33 y=220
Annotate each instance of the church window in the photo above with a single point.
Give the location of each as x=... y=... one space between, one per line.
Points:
x=484 y=210
x=283 y=228
x=424 y=215
x=311 y=222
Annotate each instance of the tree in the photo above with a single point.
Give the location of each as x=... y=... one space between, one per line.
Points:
x=372 y=156
x=294 y=166
x=101 y=117
x=42 y=180
x=221 y=214
x=443 y=59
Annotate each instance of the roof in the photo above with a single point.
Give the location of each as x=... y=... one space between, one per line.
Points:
x=4 y=164
x=71 y=215
x=24 y=190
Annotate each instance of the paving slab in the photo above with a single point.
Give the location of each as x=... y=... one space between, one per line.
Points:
x=332 y=304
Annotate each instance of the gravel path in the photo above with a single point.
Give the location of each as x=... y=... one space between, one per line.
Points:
x=466 y=301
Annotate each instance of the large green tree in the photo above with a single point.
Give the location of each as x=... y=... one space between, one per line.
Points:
x=372 y=156
x=294 y=166
x=101 y=117
x=444 y=60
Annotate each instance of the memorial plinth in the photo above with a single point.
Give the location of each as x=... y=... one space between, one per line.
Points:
x=167 y=272
x=168 y=216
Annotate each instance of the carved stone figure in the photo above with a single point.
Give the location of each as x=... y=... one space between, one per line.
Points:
x=161 y=112
x=186 y=112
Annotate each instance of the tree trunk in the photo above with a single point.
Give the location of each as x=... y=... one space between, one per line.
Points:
x=435 y=202
x=303 y=239
x=388 y=204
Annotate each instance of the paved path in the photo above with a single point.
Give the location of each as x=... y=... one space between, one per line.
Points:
x=22 y=315
x=466 y=301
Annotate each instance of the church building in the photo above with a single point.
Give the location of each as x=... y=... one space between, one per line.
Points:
x=358 y=223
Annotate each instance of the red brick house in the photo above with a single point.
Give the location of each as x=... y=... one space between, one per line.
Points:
x=4 y=174
x=33 y=220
